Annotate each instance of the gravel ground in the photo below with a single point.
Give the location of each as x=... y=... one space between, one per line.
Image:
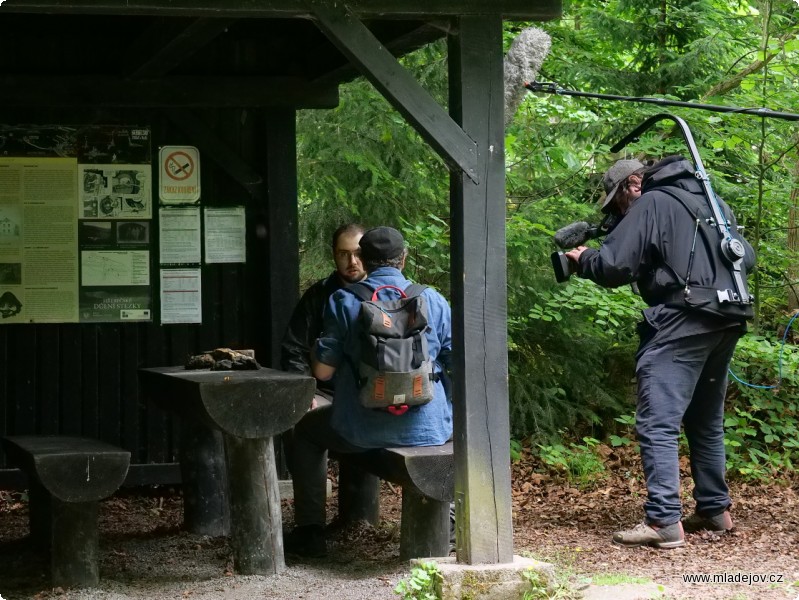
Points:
x=146 y=555
x=193 y=574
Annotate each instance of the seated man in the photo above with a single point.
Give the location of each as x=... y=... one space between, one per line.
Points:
x=346 y=426
x=305 y=325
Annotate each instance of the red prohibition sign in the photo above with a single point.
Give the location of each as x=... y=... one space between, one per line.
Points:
x=179 y=165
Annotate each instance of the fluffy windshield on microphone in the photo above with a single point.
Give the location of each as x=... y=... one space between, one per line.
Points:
x=574 y=234
x=522 y=63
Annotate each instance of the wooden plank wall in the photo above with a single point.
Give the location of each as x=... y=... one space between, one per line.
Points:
x=81 y=379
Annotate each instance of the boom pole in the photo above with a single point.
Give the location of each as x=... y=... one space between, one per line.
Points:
x=554 y=88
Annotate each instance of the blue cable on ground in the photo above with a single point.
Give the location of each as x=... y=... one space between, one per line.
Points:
x=779 y=362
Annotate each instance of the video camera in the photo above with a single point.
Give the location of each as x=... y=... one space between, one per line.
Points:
x=573 y=235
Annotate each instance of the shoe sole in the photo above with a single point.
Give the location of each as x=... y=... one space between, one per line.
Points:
x=713 y=531
x=705 y=530
x=658 y=545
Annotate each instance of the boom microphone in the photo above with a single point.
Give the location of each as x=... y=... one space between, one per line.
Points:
x=576 y=234
x=522 y=63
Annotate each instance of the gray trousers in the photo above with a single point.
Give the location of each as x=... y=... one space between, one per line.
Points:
x=684 y=381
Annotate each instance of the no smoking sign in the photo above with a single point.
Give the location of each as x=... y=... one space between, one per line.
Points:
x=180 y=174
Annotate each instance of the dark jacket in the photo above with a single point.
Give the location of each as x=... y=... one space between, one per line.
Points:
x=305 y=326
x=652 y=246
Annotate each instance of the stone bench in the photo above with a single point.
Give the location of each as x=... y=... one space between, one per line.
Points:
x=68 y=477
x=426 y=475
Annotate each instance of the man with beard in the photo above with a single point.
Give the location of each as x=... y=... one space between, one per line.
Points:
x=306 y=320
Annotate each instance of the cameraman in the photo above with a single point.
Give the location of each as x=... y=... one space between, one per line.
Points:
x=666 y=245
x=622 y=184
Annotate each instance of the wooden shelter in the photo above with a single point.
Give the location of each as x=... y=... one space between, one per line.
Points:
x=227 y=77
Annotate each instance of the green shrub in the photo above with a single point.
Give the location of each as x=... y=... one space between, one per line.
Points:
x=580 y=463
x=424 y=583
x=762 y=423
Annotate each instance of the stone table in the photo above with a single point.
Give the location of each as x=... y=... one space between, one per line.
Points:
x=248 y=407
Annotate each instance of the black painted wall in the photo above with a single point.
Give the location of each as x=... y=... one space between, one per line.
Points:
x=76 y=379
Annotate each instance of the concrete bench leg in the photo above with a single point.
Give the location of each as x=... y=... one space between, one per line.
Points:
x=424 y=529
x=204 y=475
x=75 y=548
x=256 y=535
x=358 y=495
x=40 y=515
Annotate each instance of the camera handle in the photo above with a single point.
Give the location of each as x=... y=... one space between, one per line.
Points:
x=732 y=249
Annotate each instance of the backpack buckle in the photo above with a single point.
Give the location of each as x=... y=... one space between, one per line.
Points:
x=398 y=410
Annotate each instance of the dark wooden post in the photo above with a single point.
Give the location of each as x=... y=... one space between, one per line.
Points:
x=479 y=298
x=278 y=241
x=283 y=274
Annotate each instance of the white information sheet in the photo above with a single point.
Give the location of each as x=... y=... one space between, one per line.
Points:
x=225 y=235
x=179 y=230
x=181 y=296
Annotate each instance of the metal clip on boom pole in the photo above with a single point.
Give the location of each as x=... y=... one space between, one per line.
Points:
x=732 y=249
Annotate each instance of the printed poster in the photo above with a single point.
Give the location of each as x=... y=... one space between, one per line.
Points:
x=75 y=217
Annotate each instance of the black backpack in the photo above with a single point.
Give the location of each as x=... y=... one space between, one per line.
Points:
x=395 y=372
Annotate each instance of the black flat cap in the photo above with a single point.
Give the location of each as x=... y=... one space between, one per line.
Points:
x=381 y=243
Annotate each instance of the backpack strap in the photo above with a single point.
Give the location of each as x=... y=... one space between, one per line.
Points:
x=414 y=289
x=363 y=291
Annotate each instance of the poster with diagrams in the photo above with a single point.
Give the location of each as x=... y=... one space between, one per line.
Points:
x=115 y=234
x=115 y=191
x=75 y=216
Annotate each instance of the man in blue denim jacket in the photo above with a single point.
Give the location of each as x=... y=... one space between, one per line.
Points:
x=346 y=426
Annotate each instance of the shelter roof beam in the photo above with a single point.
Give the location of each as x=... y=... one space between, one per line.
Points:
x=538 y=10
x=399 y=87
x=410 y=40
x=176 y=92
x=172 y=48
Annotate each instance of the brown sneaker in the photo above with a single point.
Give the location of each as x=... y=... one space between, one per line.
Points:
x=720 y=523
x=670 y=536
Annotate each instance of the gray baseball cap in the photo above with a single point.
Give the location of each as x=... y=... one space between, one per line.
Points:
x=615 y=175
